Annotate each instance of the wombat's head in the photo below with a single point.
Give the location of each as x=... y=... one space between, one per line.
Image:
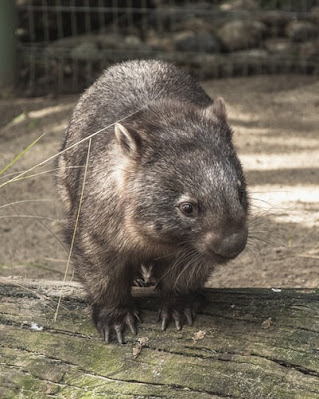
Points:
x=184 y=181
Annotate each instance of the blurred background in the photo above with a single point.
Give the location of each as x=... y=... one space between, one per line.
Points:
x=261 y=56
x=62 y=46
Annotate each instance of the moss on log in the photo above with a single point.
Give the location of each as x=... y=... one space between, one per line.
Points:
x=253 y=343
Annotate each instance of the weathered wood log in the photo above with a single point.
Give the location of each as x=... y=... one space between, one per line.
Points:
x=248 y=343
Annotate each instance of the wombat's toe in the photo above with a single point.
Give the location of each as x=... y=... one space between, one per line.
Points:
x=181 y=309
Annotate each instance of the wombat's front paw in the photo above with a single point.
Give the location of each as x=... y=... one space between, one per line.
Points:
x=180 y=309
x=107 y=320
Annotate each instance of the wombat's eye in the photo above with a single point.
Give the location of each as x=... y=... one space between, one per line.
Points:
x=187 y=208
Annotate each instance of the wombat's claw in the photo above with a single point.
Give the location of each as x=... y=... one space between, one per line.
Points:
x=178 y=316
x=182 y=309
x=189 y=316
x=119 y=328
x=140 y=282
x=106 y=326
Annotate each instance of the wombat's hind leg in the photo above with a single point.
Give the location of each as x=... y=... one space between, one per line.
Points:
x=115 y=320
x=180 y=308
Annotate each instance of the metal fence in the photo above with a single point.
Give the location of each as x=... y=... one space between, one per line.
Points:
x=64 y=45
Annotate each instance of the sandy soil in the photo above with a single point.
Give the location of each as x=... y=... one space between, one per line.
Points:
x=275 y=119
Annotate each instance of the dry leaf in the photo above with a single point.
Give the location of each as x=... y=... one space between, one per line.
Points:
x=267 y=323
x=199 y=335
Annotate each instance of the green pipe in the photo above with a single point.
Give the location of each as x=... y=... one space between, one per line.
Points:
x=7 y=44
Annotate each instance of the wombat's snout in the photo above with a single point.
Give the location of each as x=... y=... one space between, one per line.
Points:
x=227 y=246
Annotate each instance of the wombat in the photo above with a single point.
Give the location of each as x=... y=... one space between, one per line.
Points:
x=163 y=187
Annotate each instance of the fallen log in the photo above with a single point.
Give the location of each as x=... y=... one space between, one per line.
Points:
x=248 y=343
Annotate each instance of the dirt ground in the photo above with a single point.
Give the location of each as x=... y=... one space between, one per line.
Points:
x=275 y=120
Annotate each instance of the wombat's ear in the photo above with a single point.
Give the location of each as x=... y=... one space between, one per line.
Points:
x=129 y=140
x=218 y=108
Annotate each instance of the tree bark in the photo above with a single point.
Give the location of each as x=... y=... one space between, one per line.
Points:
x=247 y=343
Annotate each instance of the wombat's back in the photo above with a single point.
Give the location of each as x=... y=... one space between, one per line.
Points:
x=127 y=87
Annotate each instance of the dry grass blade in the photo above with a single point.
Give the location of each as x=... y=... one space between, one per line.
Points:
x=47 y=160
x=21 y=154
x=74 y=230
x=309 y=256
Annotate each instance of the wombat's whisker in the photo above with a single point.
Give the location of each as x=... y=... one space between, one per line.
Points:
x=190 y=260
x=178 y=260
x=252 y=253
x=253 y=244
x=270 y=242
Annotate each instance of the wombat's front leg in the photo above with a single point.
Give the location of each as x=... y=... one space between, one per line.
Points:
x=113 y=309
x=180 y=294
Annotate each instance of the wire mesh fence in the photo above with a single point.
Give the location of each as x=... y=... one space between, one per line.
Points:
x=64 y=45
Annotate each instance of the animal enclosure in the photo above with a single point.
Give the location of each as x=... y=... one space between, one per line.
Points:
x=62 y=46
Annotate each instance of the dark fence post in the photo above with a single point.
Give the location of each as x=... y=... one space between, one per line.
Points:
x=7 y=44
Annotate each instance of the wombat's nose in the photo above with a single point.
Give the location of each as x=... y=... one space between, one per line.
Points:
x=232 y=245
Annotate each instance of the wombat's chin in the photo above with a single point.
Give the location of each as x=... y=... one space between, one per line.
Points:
x=215 y=259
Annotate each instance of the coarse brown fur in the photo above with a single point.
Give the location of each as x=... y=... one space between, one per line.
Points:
x=164 y=188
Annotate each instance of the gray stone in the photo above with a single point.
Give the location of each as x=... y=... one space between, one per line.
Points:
x=110 y=41
x=196 y=25
x=85 y=51
x=190 y=41
x=251 y=54
x=207 y=66
x=160 y=42
x=310 y=49
x=301 y=31
x=280 y=46
x=241 y=34
x=275 y=20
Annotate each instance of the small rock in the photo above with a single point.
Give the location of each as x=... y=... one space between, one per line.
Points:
x=301 y=31
x=241 y=34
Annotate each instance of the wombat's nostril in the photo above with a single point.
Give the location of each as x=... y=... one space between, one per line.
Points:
x=232 y=245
